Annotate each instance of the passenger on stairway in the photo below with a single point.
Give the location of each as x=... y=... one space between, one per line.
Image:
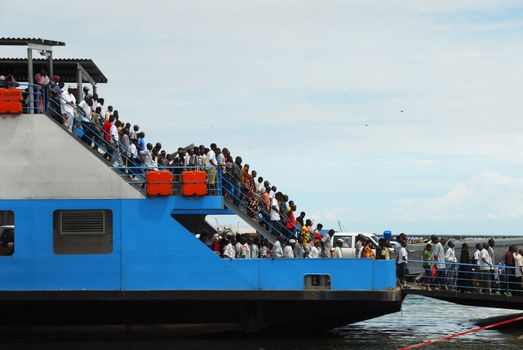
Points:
x=284 y=208
x=229 y=251
x=272 y=192
x=291 y=221
x=146 y=155
x=249 y=197
x=211 y=163
x=67 y=105
x=141 y=141
x=288 y=251
x=109 y=112
x=299 y=219
x=236 y=180
x=107 y=137
x=115 y=141
x=134 y=161
x=125 y=141
x=275 y=218
x=133 y=134
x=220 y=160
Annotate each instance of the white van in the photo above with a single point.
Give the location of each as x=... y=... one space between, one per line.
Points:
x=348 y=250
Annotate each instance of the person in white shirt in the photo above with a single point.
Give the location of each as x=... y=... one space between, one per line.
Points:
x=211 y=163
x=314 y=252
x=337 y=250
x=274 y=215
x=402 y=262
x=229 y=251
x=264 y=251
x=277 y=251
x=115 y=141
x=518 y=260
x=238 y=248
x=438 y=255
x=146 y=156
x=246 y=249
x=327 y=244
x=450 y=258
x=255 y=249
x=485 y=265
x=67 y=103
x=288 y=251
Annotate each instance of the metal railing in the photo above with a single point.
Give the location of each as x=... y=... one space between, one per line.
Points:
x=253 y=204
x=469 y=278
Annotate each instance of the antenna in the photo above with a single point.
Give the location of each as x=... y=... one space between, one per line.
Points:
x=339 y=225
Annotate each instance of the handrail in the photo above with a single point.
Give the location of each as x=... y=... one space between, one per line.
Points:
x=470 y=278
x=262 y=218
x=260 y=200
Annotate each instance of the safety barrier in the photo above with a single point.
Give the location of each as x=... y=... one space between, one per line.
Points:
x=462 y=277
x=10 y=101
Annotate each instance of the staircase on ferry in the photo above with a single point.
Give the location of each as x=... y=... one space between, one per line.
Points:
x=258 y=220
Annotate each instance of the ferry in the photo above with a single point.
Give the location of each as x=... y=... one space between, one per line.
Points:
x=88 y=248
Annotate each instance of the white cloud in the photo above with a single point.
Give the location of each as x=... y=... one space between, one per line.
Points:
x=487 y=196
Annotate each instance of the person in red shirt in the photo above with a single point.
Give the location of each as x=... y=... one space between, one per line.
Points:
x=107 y=136
x=215 y=245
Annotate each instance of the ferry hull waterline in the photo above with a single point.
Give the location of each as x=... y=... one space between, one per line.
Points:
x=86 y=246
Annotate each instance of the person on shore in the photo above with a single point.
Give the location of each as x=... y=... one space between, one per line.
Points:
x=402 y=263
x=465 y=270
x=451 y=260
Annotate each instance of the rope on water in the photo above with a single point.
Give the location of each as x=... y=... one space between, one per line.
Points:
x=428 y=342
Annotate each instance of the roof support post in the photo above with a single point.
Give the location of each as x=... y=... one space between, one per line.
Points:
x=79 y=89
x=51 y=70
x=30 y=79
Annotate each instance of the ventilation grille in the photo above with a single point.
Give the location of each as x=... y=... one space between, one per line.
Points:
x=82 y=222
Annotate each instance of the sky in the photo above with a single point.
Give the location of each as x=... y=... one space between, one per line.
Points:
x=384 y=115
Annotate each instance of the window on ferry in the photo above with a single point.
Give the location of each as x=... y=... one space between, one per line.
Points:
x=7 y=232
x=82 y=232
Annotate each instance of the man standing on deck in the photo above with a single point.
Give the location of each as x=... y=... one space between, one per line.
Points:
x=438 y=255
x=211 y=163
x=450 y=257
x=327 y=244
x=510 y=264
x=288 y=251
x=277 y=251
x=485 y=265
x=492 y=254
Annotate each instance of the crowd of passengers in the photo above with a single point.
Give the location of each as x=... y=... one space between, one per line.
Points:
x=245 y=247
x=479 y=272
